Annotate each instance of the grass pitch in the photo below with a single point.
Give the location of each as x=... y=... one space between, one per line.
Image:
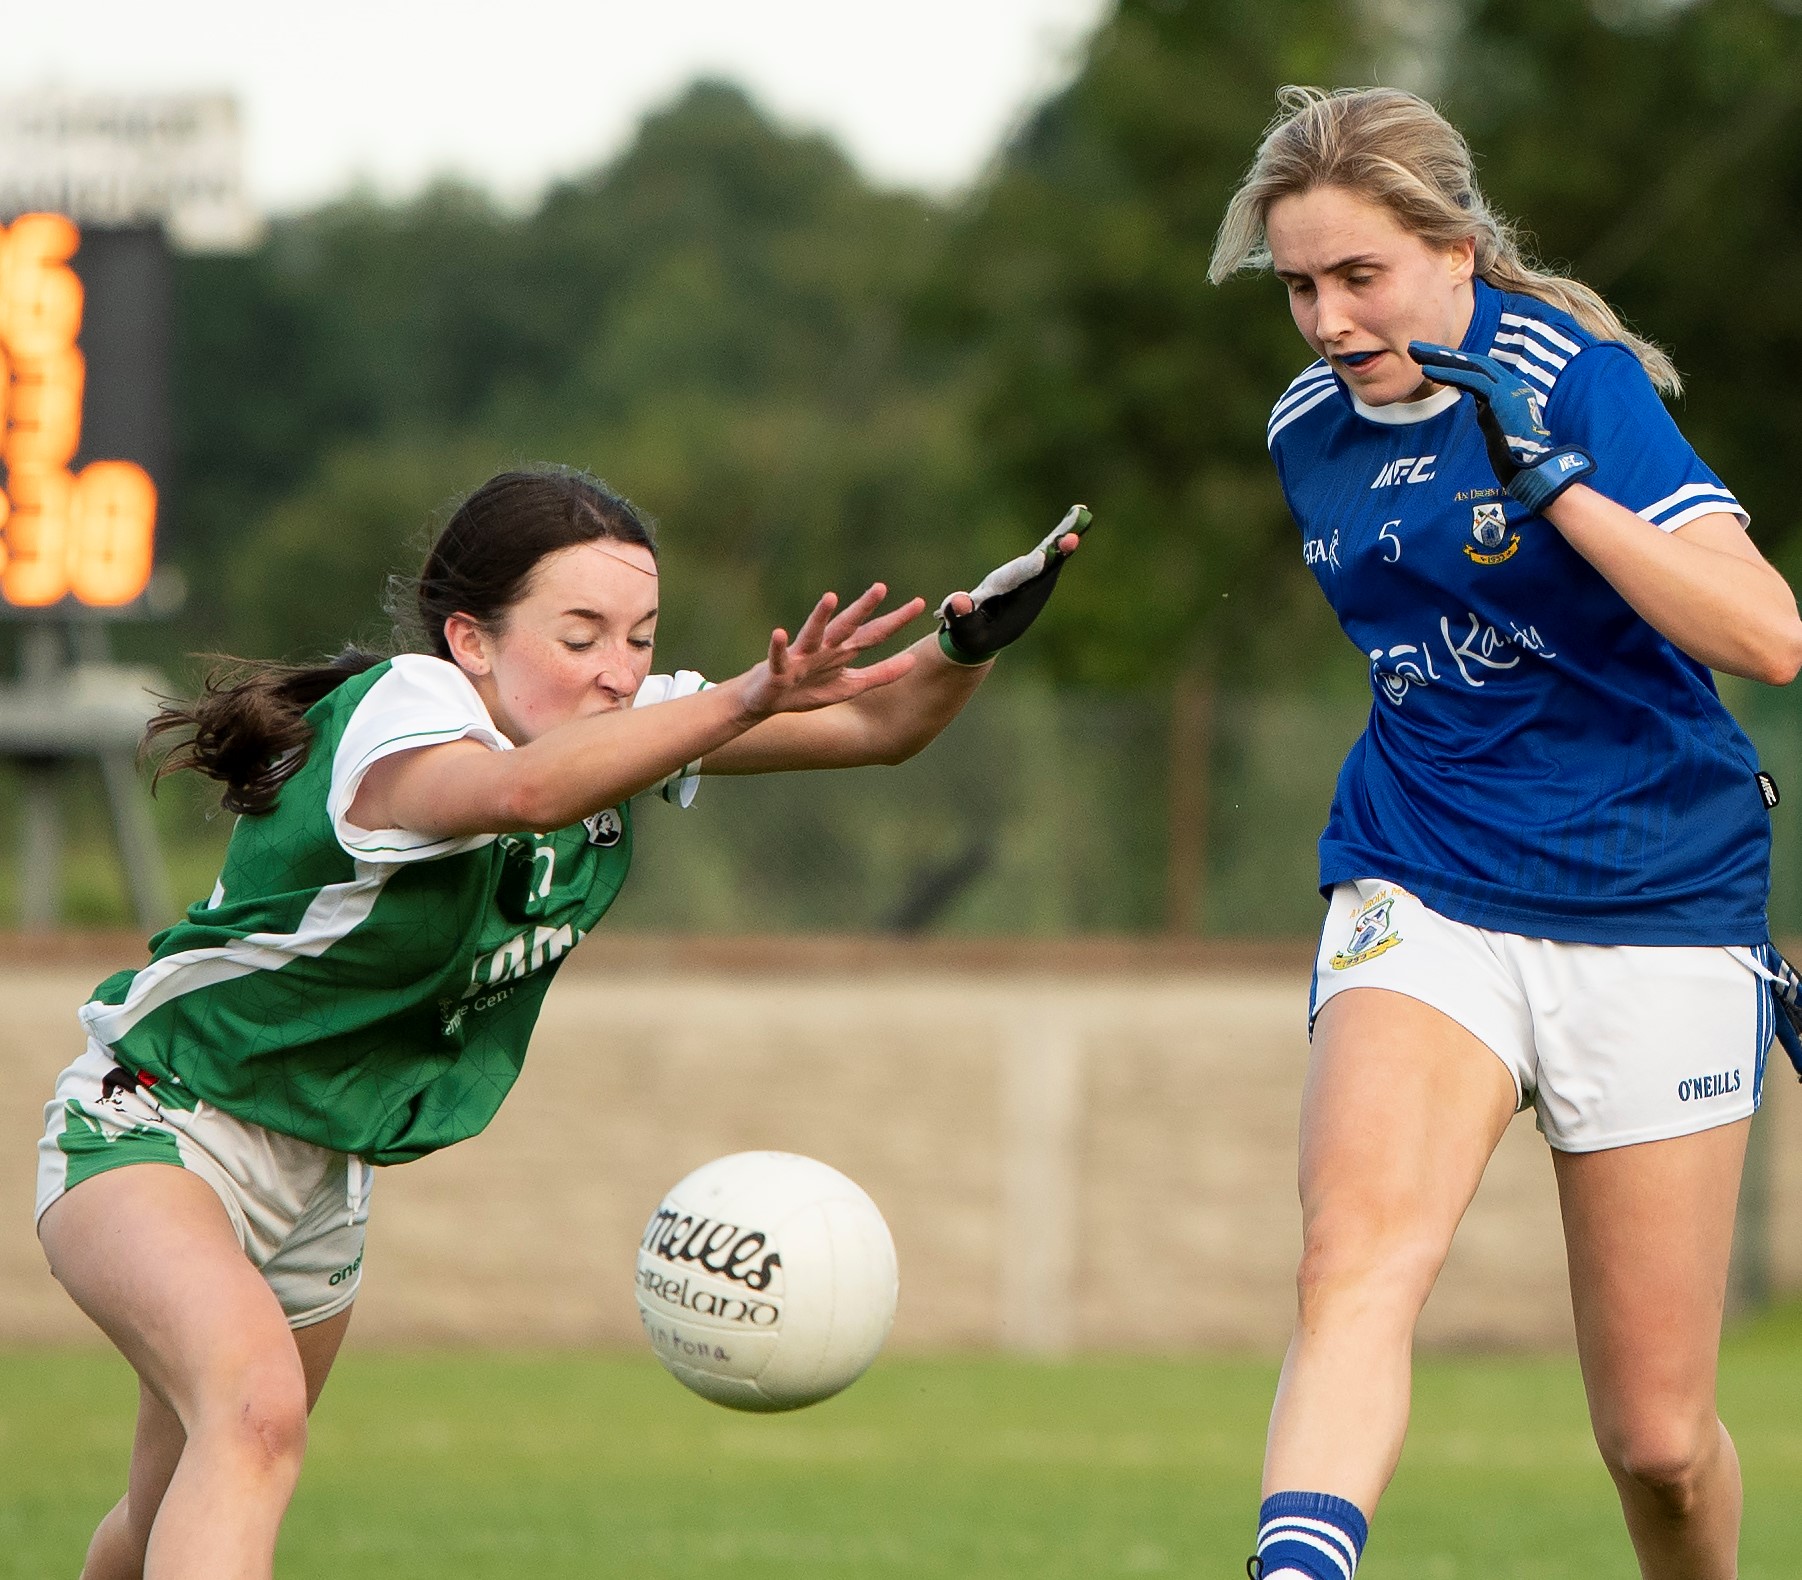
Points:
x=469 y=1466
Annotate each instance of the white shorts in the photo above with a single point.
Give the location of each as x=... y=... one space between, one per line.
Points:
x=1612 y=1044
x=299 y=1211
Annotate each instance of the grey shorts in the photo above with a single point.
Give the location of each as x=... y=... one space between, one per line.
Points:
x=299 y=1211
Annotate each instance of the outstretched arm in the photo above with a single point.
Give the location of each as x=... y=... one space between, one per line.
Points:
x=576 y=769
x=889 y=725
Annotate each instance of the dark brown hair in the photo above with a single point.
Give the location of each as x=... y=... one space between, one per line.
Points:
x=248 y=726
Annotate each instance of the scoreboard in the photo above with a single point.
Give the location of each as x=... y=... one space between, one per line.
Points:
x=84 y=412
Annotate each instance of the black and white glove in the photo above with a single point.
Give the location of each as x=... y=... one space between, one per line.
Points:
x=1007 y=600
x=1511 y=414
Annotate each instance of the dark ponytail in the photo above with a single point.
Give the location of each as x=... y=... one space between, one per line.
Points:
x=248 y=729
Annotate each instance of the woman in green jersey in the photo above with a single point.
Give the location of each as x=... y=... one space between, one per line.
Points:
x=421 y=842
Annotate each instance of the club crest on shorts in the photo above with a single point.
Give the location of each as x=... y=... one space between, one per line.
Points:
x=1373 y=933
x=1489 y=526
x=604 y=828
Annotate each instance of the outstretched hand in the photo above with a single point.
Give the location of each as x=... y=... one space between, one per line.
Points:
x=815 y=669
x=974 y=626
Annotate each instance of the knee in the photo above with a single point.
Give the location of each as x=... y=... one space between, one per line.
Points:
x=1663 y=1461
x=1352 y=1265
x=259 y=1416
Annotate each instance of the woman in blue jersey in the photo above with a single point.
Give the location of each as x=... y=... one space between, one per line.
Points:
x=422 y=841
x=1547 y=856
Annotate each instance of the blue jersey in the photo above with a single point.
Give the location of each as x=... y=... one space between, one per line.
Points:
x=1538 y=759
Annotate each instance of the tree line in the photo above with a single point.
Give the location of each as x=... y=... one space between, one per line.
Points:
x=812 y=381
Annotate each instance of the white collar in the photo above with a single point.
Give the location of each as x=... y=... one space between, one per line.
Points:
x=1408 y=411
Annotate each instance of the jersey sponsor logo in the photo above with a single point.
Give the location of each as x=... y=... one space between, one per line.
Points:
x=1373 y=933
x=1397 y=670
x=1489 y=526
x=520 y=955
x=343 y=1273
x=1723 y=1083
x=604 y=828
x=1406 y=469
x=1321 y=551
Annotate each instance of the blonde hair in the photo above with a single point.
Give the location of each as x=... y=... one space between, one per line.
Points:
x=1395 y=149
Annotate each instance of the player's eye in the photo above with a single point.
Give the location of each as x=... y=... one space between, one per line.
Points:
x=1362 y=277
x=642 y=643
x=577 y=647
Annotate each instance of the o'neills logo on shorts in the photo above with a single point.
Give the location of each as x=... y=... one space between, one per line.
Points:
x=1722 y=1084
x=1372 y=934
x=724 y=1249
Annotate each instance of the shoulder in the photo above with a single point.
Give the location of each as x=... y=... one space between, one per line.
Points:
x=1555 y=353
x=417 y=701
x=409 y=686
x=413 y=700
x=1309 y=389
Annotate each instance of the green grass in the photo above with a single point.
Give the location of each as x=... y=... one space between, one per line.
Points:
x=459 y=1466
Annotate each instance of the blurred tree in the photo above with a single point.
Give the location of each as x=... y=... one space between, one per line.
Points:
x=1113 y=370
x=1656 y=151
x=716 y=322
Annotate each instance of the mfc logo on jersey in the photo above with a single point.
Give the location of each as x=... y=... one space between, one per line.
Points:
x=1406 y=469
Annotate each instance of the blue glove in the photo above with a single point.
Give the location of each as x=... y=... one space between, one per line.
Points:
x=1509 y=412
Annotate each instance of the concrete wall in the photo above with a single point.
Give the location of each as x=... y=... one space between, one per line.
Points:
x=1084 y=1148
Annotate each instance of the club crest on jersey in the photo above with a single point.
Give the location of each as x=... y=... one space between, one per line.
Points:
x=604 y=828
x=1489 y=526
x=1373 y=933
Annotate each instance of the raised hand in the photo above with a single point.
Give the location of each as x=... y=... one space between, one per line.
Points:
x=974 y=626
x=1512 y=416
x=815 y=669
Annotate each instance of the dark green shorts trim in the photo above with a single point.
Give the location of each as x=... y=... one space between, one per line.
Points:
x=93 y=1149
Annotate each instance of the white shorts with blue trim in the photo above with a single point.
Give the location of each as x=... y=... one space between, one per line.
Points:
x=1611 y=1044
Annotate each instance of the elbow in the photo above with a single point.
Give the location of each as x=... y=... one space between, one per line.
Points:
x=897 y=751
x=1781 y=661
x=526 y=805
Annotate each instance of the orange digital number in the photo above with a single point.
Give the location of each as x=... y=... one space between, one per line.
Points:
x=37 y=538
x=45 y=418
x=40 y=295
x=94 y=535
x=112 y=528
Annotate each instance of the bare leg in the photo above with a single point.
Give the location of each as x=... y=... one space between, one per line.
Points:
x=1648 y=1230
x=117 y=1551
x=148 y=1253
x=1402 y=1110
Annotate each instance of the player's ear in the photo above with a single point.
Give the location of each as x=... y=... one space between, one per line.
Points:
x=1461 y=257
x=468 y=644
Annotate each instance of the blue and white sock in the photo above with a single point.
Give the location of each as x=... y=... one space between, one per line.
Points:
x=1309 y=1536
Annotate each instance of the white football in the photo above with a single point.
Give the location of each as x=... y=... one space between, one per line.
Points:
x=767 y=1281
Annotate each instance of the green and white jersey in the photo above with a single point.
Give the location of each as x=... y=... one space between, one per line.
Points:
x=369 y=990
